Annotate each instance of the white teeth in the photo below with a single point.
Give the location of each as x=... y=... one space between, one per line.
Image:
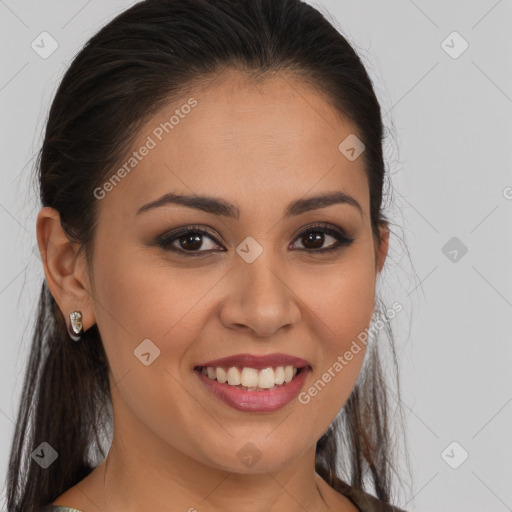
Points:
x=279 y=375
x=222 y=375
x=249 y=377
x=266 y=378
x=252 y=378
x=233 y=376
x=288 y=373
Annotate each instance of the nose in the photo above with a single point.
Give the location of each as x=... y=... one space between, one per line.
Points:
x=259 y=299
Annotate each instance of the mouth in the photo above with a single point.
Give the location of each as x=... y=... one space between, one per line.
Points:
x=254 y=383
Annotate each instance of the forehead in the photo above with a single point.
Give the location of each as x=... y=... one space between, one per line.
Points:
x=245 y=140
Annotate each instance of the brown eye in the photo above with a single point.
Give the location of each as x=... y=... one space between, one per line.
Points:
x=189 y=240
x=314 y=238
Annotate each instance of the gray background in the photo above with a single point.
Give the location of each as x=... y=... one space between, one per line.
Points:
x=449 y=154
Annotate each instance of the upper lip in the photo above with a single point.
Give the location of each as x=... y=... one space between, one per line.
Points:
x=257 y=362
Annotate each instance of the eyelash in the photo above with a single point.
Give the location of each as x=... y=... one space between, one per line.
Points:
x=342 y=240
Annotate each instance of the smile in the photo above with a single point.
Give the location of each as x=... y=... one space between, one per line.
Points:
x=250 y=389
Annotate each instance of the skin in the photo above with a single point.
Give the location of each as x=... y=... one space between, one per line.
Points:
x=259 y=146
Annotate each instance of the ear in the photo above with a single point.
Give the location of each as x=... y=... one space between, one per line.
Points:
x=65 y=269
x=381 y=250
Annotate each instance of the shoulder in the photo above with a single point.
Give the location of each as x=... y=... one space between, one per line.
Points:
x=81 y=497
x=368 y=503
x=364 y=501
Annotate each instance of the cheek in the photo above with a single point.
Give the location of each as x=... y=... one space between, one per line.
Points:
x=341 y=300
x=140 y=300
x=340 y=305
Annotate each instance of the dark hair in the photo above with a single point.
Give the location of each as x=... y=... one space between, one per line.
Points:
x=140 y=61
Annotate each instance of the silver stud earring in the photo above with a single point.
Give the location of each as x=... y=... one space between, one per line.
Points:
x=75 y=328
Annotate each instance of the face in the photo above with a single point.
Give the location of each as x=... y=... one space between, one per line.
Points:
x=259 y=281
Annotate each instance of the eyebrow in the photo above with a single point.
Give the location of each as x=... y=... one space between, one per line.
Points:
x=217 y=206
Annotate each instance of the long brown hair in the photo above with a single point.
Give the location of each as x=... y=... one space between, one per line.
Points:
x=140 y=61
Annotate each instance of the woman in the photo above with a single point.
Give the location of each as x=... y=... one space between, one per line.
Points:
x=211 y=233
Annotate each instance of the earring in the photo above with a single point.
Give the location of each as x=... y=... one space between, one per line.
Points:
x=75 y=328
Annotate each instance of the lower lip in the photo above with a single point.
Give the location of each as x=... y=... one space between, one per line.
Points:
x=256 y=401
